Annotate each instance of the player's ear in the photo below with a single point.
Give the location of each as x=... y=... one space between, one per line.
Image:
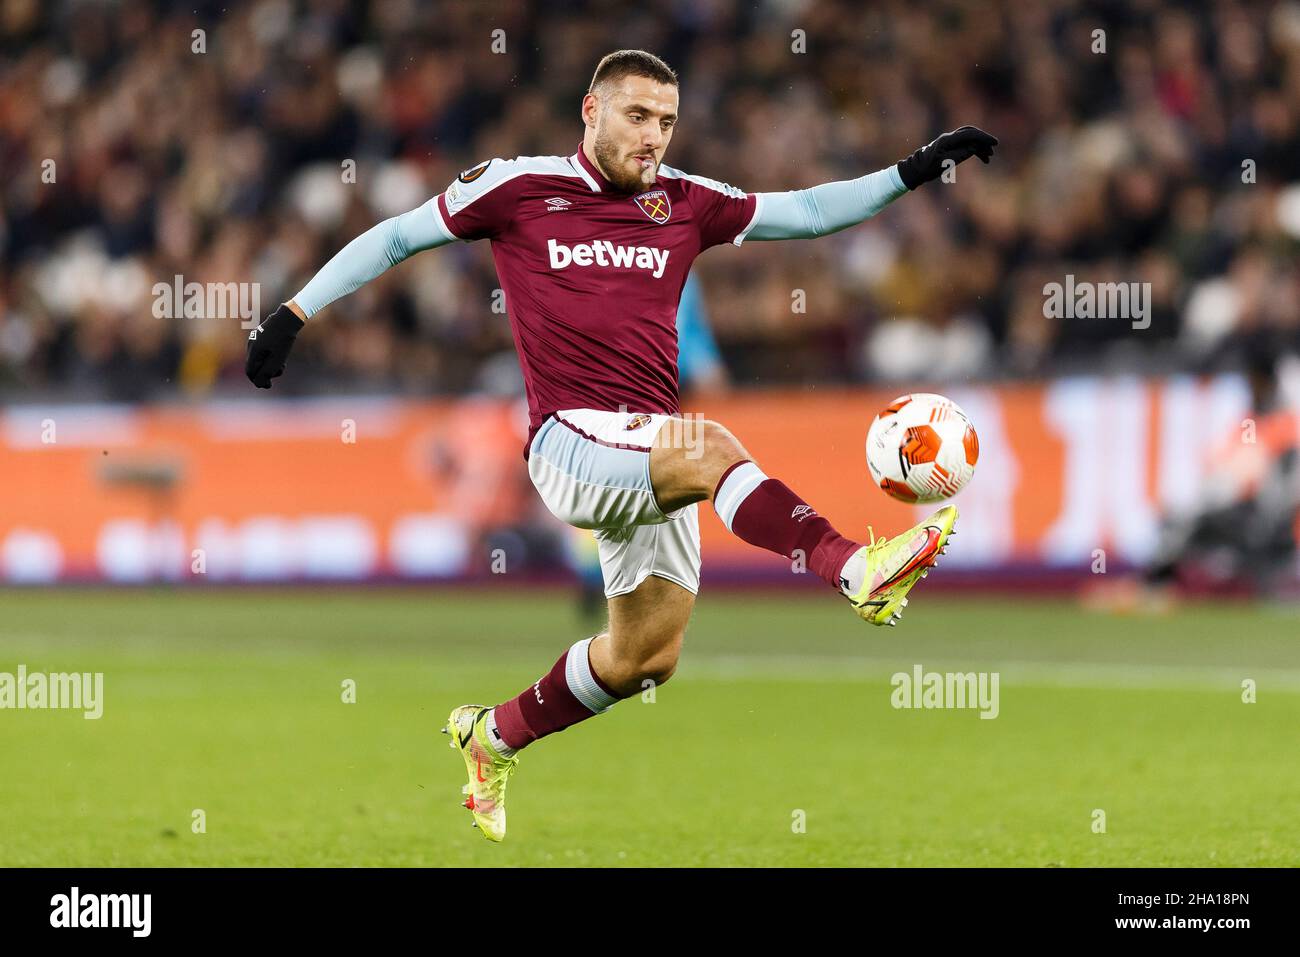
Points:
x=590 y=105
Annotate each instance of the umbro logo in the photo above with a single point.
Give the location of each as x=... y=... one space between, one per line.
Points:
x=557 y=203
x=802 y=511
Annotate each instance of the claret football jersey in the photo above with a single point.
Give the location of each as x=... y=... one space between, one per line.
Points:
x=592 y=276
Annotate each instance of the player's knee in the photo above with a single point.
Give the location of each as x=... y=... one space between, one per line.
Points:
x=691 y=455
x=719 y=443
x=721 y=451
x=660 y=666
x=653 y=659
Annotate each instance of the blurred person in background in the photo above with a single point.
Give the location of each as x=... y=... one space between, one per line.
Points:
x=1244 y=526
x=1163 y=159
x=1242 y=530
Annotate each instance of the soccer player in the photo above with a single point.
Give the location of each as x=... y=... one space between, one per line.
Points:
x=592 y=251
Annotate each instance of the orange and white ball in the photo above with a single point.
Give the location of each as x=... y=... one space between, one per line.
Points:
x=922 y=448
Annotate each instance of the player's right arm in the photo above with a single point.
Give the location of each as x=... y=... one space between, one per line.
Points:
x=472 y=207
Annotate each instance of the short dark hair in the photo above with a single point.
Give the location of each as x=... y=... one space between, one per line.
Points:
x=621 y=63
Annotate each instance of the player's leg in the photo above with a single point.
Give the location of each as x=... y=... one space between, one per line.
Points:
x=639 y=649
x=695 y=460
x=640 y=645
x=651 y=574
x=592 y=470
x=644 y=639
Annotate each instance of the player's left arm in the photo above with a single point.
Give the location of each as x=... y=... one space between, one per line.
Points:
x=830 y=207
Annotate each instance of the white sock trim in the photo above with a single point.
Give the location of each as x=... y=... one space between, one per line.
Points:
x=735 y=488
x=852 y=573
x=581 y=681
x=494 y=736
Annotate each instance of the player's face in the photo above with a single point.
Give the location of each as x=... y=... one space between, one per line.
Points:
x=633 y=120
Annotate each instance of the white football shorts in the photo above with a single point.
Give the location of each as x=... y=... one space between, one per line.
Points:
x=592 y=469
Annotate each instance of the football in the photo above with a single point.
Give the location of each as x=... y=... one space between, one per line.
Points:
x=922 y=448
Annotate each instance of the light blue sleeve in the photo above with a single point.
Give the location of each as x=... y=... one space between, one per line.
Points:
x=806 y=213
x=377 y=249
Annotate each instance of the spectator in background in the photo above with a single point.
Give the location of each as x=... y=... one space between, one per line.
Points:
x=1243 y=529
x=1173 y=157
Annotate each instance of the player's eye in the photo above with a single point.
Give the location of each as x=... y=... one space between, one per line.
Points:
x=635 y=117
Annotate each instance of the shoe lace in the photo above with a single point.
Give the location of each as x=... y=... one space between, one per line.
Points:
x=504 y=769
x=874 y=544
x=877 y=546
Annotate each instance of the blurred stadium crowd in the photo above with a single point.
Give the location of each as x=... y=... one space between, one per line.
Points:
x=1173 y=157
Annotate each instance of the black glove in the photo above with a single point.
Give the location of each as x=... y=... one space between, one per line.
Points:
x=269 y=345
x=961 y=144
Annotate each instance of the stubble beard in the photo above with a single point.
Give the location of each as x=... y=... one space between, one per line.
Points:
x=610 y=161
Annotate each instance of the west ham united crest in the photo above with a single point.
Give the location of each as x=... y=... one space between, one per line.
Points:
x=655 y=204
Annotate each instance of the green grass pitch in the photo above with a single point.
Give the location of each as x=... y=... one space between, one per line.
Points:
x=231 y=702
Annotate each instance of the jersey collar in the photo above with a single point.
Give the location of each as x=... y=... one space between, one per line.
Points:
x=590 y=173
